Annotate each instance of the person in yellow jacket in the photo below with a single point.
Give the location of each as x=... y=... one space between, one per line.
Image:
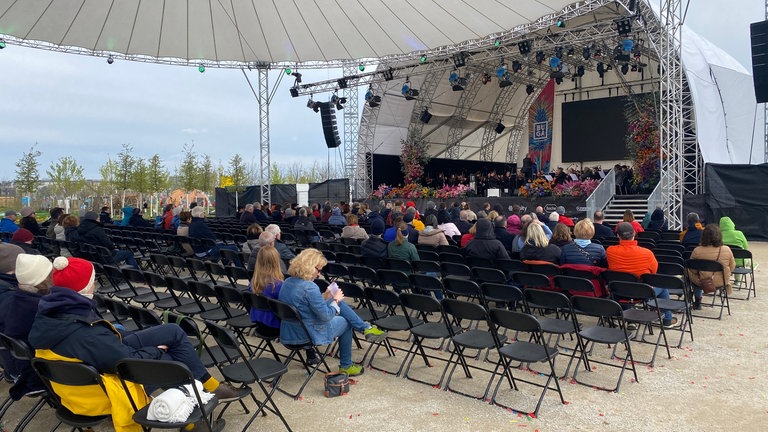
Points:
x=67 y=327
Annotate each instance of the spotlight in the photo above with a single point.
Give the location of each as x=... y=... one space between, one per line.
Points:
x=601 y=69
x=503 y=76
x=558 y=80
x=516 y=66
x=570 y=52
x=460 y=59
x=297 y=76
x=110 y=59
x=294 y=92
x=524 y=47
x=554 y=62
x=457 y=82
x=580 y=71
x=598 y=53
x=529 y=89
x=586 y=53
x=539 y=57
x=287 y=71
x=501 y=71
x=338 y=101
x=2 y=43
x=624 y=26
x=624 y=69
x=633 y=68
x=201 y=68
x=426 y=116
x=388 y=74
x=497 y=42
x=423 y=58
x=560 y=23
x=314 y=106
x=485 y=79
x=619 y=55
x=408 y=92
x=342 y=82
x=371 y=98
x=499 y=128
x=361 y=67
x=559 y=52
x=627 y=45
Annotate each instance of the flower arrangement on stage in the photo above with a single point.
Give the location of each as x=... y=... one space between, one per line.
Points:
x=413 y=158
x=643 y=140
x=537 y=188
x=576 y=188
x=416 y=191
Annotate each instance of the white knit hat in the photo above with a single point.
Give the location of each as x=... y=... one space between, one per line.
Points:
x=32 y=269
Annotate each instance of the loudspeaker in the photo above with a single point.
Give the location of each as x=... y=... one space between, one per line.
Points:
x=759 y=36
x=330 y=130
x=499 y=128
x=425 y=117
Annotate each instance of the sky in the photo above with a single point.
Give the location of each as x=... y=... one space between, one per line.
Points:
x=80 y=106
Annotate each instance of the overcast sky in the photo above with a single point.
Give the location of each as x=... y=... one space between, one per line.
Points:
x=83 y=107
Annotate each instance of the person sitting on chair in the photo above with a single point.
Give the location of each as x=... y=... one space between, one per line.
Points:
x=325 y=316
x=711 y=248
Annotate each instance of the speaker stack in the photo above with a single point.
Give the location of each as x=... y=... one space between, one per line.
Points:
x=759 y=37
x=330 y=130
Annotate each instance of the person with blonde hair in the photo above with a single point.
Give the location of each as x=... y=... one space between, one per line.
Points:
x=582 y=250
x=326 y=316
x=537 y=247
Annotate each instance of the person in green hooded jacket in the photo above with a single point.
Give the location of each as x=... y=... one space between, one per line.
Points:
x=732 y=236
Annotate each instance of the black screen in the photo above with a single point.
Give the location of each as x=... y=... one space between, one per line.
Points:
x=595 y=130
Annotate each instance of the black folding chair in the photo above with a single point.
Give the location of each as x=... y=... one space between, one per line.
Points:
x=682 y=305
x=721 y=292
x=746 y=270
x=20 y=351
x=246 y=371
x=610 y=329
x=70 y=374
x=391 y=323
x=163 y=374
x=645 y=311
x=534 y=350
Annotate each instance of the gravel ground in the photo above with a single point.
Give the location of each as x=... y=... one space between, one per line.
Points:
x=713 y=383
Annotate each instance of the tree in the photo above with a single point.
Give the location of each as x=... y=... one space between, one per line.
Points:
x=157 y=175
x=188 y=170
x=107 y=186
x=27 y=173
x=66 y=177
x=237 y=172
x=124 y=171
x=207 y=175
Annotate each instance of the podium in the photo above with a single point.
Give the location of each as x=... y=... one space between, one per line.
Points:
x=493 y=192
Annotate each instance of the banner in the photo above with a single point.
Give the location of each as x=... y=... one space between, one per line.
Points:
x=540 y=128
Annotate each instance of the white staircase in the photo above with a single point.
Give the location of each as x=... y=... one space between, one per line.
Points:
x=614 y=211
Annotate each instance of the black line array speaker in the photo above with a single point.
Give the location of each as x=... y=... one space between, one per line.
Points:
x=330 y=130
x=759 y=38
x=426 y=116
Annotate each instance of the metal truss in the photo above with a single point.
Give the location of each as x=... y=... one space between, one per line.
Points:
x=500 y=106
x=693 y=164
x=363 y=180
x=426 y=92
x=666 y=38
x=513 y=143
x=351 y=129
x=464 y=105
x=264 y=148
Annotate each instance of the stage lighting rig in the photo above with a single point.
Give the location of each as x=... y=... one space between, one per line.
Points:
x=407 y=91
x=529 y=89
x=460 y=59
x=586 y=53
x=503 y=75
x=314 y=106
x=457 y=81
x=338 y=101
x=388 y=74
x=539 y=57
x=372 y=99
x=516 y=66
x=343 y=83
x=624 y=26
x=524 y=47
x=298 y=78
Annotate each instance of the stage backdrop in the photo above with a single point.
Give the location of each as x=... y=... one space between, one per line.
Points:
x=738 y=191
x=540 y=127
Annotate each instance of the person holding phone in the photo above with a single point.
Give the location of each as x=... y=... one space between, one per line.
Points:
x=326 y=316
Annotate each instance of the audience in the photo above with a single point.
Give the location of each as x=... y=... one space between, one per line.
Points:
x=581 y=250
x=485 y=245
x=8 y=223
x=29 y=221
x=711 y=248
x=432 y=235
x=691 y=235
x=352 y=229
x=401 y=248
x=537 y=247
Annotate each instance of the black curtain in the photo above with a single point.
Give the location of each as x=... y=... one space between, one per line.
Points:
x=739 y=192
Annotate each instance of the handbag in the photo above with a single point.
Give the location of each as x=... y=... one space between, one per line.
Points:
x=336 y=384
x=707 y=283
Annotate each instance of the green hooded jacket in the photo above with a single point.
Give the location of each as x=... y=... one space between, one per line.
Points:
x=732 y=236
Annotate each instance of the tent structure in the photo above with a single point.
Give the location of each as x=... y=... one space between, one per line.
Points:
x=407 y=39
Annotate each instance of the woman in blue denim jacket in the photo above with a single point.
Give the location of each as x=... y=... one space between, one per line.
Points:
x=325 y=315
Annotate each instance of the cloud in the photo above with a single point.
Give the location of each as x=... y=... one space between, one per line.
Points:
x=193 y=131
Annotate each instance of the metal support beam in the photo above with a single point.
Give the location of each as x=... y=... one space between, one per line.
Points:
x=364 y=173
x=351 y=129
x=427 y=90
x=464 y=105
x=264 y=156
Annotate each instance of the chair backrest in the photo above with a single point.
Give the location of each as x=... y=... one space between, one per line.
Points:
x=155 y=373
x=464 y=310
x=613 y=275
x=395 y=278
x=674 y=284
x=514 y=320
x=17 y=348
x=739 y=253
x=501 y=292
x=547 y=299
x=225 y=339
x=287 y=313
x=631 y=290
x=531 y=280
x=596 y=306
x=66 y=373
x=510 y=265
x=455 y=269
x=428 y=255
x=574 y=285
x=397 y=264
x=419 y=302
x=382 y=296
x=487 y=274
x=546 y=269
x=704 y=265
x=452 y=257
x=144 y=318
x=462 y=287
x=426 y=282
x=423 y=266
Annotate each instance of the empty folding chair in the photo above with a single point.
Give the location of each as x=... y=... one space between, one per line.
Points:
x=532 y=350
x=645 y=312
x=745 y=270
x=365 y=276
x=682 y=305
x=391 y=323
x=395 y=279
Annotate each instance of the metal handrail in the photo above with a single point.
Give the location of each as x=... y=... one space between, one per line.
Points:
x=602 y=195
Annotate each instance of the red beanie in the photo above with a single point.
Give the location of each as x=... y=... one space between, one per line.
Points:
x=23 y=235
x=73 y=273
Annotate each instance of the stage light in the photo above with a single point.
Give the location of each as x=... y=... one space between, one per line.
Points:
x=524 y=47
x=457 y=81
x=460 y=59
x=287 y=71
x=201 y=68
x=338 y=101
x=570 y=52
x=361 y=67
x=627 y=45
x=619 y=55
x=426 y=116
x=501 y=71
x=314 y=106
x=110 y=59
x=529 y=89
x=624 y=26
x=516 y=66
x=371 y=98
x=559 y=52
x=342 y=82
x=601 y=69
x=2 y=43
x=297 y=76
x=554 y=62
x=423 y=58
x=586 y=53
x=497 y=42
x=558 y=80
x=633 y=68
x=485 y=79
x=560 y=23
x=294 y=92
x=408 y=92
x=580 y=71
x=539 y=57
x=624 y=69
x=388 y=74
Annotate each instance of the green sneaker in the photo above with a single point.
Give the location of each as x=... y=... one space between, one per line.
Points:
x=352 y=370
x=373 y=334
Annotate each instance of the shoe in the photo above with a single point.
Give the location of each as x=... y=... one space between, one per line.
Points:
x=670 y=323
x=353 y=370
x=697 y=304
x=631 y=327
x=373 y=334
x=226 y=393
x=35 y=393
x=10 y=379
x=313 y=361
